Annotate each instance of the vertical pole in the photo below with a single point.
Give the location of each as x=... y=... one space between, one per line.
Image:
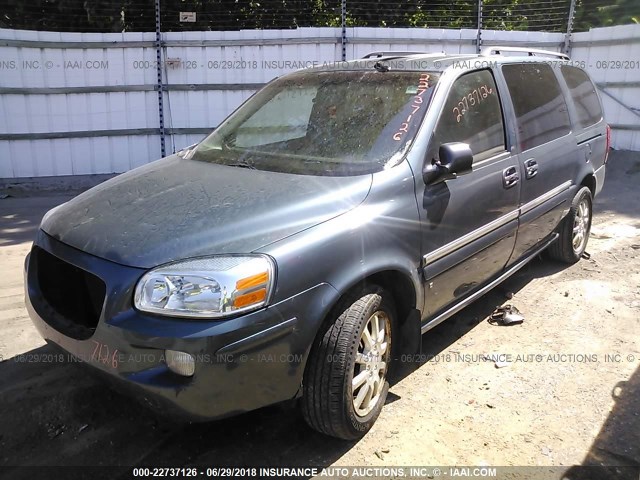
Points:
x=479 y=34
x=343 y=17
x=160 y=85
x=567 y=38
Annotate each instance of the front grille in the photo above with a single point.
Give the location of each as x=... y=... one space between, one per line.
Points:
x=72 y=297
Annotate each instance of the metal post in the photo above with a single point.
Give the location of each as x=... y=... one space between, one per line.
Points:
x=567 y=38
x=160 y=85
x=479 y=35
x=343 y=16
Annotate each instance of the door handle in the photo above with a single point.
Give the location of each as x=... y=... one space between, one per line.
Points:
x=531 y=168
x=510 y=177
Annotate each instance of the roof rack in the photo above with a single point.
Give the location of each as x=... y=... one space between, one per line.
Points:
x=391 y=54
x=532 y=52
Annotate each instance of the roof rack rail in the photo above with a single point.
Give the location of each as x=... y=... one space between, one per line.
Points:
x=532 y=52
x=391 y=54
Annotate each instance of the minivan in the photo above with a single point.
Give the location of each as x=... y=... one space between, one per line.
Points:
x=305 y=245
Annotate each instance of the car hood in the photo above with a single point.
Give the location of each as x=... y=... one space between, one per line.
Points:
x=176 y=208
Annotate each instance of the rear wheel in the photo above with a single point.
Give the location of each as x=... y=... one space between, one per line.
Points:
x=345 y=384
x=575 y=229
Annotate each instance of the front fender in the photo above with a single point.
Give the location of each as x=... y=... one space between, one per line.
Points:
x=380 y=235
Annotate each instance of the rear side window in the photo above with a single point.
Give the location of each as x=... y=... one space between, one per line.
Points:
x=472 y=115
x=584 y=96
x=538 y=102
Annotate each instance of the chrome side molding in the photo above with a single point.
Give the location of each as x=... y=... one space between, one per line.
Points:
x=471 y=298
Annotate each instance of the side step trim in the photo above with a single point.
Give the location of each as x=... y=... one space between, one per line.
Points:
x=471 y=298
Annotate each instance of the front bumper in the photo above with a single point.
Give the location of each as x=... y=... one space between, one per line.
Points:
x=242 y=363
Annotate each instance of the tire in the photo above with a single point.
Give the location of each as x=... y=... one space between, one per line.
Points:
x=574 y=229
x=341 y=352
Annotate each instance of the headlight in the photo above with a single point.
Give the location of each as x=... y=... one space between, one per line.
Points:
x=209 y=287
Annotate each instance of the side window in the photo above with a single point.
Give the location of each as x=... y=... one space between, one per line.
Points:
x=538 y=102
x=472 y=114
x=584 y=96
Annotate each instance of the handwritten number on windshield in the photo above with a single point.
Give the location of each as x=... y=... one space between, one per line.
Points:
x=416 y=104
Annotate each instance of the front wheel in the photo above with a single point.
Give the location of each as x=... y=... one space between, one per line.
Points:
x=575 y=229
x=345 y=383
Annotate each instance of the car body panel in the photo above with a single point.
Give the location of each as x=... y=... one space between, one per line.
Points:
x=382 y=234
x=176 y=208
x=460 y=209
x=555 y=162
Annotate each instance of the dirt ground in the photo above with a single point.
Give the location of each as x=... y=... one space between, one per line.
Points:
x=568 y=395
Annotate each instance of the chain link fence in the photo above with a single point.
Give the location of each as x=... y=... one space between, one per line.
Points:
x=204 y=15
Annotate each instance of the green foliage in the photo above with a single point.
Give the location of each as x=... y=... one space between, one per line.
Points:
x=591 y=13
x=139 y=15
x=74 y=15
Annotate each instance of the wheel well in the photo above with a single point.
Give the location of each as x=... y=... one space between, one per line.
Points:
x=400 y=286
x=590 y=182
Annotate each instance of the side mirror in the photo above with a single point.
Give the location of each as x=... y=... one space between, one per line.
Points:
x=455 y=159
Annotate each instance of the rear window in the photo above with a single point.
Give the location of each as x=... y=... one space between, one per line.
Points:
x=584 y=96
x=538 y=102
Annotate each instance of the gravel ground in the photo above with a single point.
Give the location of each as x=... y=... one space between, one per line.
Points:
x=567 y=395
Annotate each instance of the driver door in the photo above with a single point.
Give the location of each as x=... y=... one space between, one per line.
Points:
x=469 y=223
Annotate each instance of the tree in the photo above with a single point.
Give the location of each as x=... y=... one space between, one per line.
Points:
x=139 y=15
x=590 y=13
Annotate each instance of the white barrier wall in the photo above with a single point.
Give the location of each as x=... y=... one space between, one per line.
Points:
x=612 y=57
x=73 y=103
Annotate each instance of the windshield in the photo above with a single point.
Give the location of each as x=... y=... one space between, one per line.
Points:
x=324 y=123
